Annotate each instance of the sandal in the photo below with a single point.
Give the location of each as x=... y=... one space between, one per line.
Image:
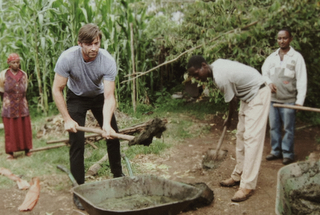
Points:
x=10 y=157
x=28 y=154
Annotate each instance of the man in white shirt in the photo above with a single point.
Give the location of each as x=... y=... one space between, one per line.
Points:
x=243 y=82
x=287 y=75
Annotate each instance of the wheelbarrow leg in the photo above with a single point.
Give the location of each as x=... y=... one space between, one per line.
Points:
x=128 y=164
x=76 y=200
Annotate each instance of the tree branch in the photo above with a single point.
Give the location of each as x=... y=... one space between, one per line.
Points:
x=196 y=47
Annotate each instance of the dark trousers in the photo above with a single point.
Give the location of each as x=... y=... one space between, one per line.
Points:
x=77 y=108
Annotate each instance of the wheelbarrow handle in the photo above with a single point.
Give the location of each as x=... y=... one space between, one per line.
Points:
x=100 y=131
x=72 y=179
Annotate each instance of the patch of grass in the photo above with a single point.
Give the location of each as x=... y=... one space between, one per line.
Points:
x=156 y=147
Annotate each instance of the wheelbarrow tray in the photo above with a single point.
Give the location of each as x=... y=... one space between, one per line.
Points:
x=294 y=177
x=136 y=195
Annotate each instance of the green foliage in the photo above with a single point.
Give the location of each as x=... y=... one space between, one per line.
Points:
x=39 y=30
x=155 y=148
x=205 y=20
x=144 y=108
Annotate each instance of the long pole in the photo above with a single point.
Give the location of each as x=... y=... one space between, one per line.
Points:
x=297 y=107
x=133 y=71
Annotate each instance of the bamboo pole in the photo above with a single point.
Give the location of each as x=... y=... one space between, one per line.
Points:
x=47 y=147
x=67 y=139
x=133 y=71
x=297 y=107
x=183 y=53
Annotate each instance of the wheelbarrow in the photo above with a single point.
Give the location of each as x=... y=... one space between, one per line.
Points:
x=298 y=189
x=134 y=195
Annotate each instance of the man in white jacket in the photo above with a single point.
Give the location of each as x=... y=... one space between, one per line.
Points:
x=287 y=72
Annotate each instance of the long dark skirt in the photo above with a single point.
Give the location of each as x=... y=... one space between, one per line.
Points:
x=18 y=134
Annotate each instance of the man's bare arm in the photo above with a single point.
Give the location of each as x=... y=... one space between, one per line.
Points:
x=232 y=109
x=108 y=107
x=59 y=84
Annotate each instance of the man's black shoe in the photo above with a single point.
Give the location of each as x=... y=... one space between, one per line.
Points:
x=77 y=202
x=287 y=161
x=273 y=157
x=118 y=175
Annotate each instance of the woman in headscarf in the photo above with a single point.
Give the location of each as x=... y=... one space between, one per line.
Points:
x=15 y=112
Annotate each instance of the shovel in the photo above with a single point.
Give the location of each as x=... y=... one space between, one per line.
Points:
x=212 y=157
x=216 y=155
x=154 y=129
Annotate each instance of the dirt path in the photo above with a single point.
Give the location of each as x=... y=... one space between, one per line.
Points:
x=183 y=163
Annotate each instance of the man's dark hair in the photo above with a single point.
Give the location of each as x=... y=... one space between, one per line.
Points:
x=196 y=62
x=287 y=29
x=88 y=33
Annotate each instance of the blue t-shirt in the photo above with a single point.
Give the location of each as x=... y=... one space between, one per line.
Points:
x=86 y=78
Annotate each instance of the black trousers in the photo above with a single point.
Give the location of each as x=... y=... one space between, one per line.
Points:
x=77 y=108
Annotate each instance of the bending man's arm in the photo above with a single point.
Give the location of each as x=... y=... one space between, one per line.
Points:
x=232 y=109
x=59 y=84
x=108 y=107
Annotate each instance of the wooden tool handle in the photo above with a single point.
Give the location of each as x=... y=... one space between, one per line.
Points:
x=220 y=141
x=99 y=131
x=297 y=107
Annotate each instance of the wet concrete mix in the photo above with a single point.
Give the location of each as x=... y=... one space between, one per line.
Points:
x=306 y=200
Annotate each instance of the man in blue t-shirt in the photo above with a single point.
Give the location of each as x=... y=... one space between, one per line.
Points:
x=89 y=73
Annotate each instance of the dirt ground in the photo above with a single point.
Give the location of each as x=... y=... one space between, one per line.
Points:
x=184 y=163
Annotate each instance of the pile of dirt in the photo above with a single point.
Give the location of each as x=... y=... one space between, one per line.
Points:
x=153 y=129
x=55 y=126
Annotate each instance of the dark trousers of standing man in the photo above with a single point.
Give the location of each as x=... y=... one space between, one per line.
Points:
x=77 y=108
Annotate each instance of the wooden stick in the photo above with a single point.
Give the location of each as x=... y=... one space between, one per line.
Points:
x=67 y=140
x=133 y=71
x=48 y=147
x=305 y=126
x=93 y=170
x=99 y=131
x=297 y=107
x=130 y=130
x=92 y=144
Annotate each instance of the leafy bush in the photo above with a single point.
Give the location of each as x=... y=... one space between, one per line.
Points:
x=245 y=31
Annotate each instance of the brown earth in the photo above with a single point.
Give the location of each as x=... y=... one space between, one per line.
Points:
x=183 y=163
